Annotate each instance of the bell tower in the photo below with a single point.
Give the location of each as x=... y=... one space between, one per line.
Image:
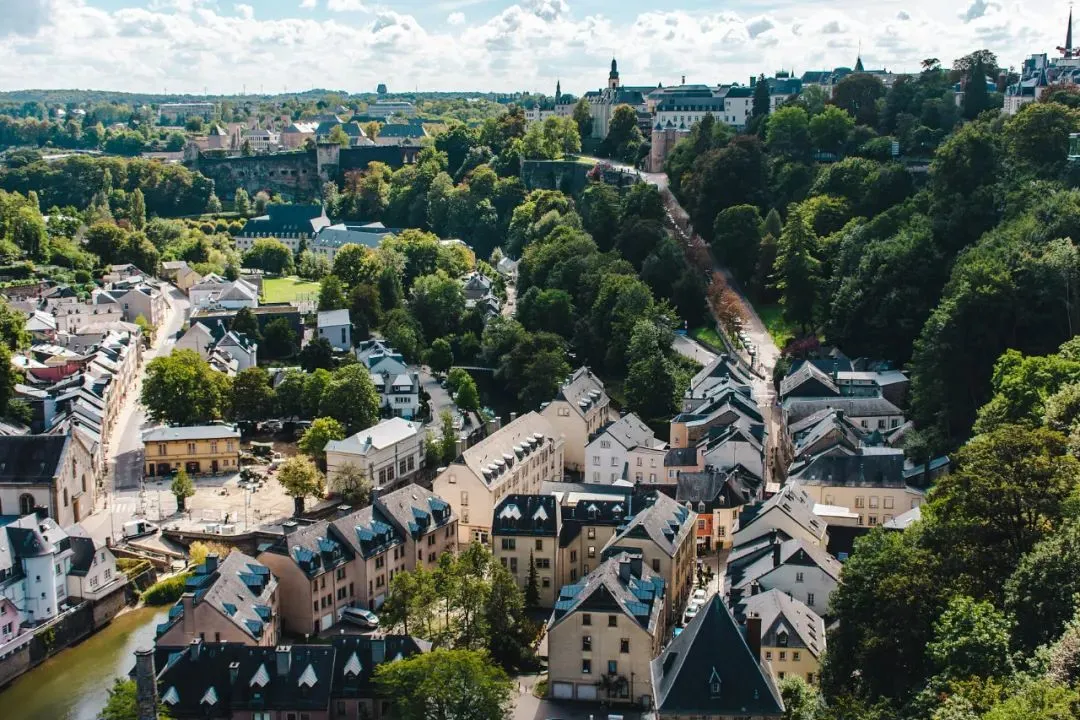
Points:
x=613 y=76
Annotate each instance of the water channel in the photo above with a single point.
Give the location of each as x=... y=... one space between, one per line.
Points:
x=74 y=684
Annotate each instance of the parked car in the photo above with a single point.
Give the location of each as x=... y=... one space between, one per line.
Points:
x=691 y=612
x=699 y=596
x=360 y=617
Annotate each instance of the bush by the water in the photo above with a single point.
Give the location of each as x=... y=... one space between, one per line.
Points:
x=167 y=591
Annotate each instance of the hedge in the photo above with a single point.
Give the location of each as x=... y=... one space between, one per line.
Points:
x=167 y=591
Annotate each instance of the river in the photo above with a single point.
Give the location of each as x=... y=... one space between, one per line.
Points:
x=74 y=684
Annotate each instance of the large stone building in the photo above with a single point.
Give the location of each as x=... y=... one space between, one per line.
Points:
x=54 y=473
x=515 y=459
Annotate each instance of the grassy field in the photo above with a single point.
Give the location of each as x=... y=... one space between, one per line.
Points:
x=773 y=317
x=709 y=337
x=287 y=289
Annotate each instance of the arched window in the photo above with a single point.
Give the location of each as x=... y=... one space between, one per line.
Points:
x=65 y=497
x=26 y=504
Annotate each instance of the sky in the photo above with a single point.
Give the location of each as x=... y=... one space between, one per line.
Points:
x=186 y=46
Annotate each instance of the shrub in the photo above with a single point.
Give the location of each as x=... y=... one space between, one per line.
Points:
x=167 y=591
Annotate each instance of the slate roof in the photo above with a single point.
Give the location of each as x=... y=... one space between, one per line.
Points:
x=792 y=501
x=712 y=490
x=722 y=367
x=620 y=583
x=662 y=520
x=904 y=520
x=414 y=510
x=238 y=587
x=594 y=510
x=369 y=531
x=490 y=458
x=402 y=130
x=82 y=551
x=828 y=421
x=630 y=432
x=807 y=372
x=692 y=676
x=194 y=432
x=31 y=459
x=367 y=234
x=583 y=391
x=316 y=548
x=780 y=612
x=869 y=467
x=799 y=408
x=741 y=574
x=357 y=656
x=680 y=457
x=218 y=679
x=283 y=218
x=526 y=515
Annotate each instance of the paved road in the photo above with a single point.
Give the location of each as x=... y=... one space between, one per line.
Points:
x=690 y=348
x=121 y=500
x=440 y=398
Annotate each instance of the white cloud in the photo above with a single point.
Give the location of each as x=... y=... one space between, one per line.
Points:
x=308 y=4
x=345 y=5
x=186 y=44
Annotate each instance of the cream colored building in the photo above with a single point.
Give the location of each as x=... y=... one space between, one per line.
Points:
x=664 y=532
x=389 y=454
x=869 y=483
x=626 y=449
x=514 y=459
x=792 y=635
x=604 y=632
x=580 y=409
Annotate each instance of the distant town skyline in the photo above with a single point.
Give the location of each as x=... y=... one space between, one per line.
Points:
x=184 y=46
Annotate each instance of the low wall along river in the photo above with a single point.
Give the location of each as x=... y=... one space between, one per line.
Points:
x=74 y=684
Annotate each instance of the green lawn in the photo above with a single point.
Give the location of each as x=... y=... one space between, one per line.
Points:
x=709 y=337
x=288 y=289
x=779 y=329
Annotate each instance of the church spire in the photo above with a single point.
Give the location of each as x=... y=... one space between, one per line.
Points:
x=1068 y=52
x=558 y=91
x=858 y=59
x=613 y=76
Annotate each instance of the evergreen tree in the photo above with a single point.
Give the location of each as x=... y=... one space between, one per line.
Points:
x=242 y=203
x=797 y=270
x=532 y=587
x=761 y=104
x=976 y=99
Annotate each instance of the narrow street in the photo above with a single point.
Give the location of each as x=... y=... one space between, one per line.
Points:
x=122 y=500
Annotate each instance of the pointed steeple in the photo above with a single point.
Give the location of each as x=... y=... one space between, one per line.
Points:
x=558 y=91
x=858 y=59
x=1067 y=51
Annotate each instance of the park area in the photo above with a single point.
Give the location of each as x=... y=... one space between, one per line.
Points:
x=289 y=289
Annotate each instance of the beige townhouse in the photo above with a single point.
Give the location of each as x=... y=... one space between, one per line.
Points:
x=580 y=409
x=350 y=561
x=604 y=632
x=515 y=459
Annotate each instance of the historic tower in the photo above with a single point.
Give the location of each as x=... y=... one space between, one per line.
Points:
x=613 y=76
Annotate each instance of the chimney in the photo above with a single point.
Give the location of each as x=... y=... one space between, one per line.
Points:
x=196 y=648
x=776 y=555
x=635 y=565
x=146 y=695
x=624 y=571
x=513 y=416
x=753 y=635
x=234 y=672
x=187 y=601
x=211 y=563
x=755 y=587
x=284 y=658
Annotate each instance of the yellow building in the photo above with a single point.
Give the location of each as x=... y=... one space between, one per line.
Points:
x=198 y=450
x=792 y=635
x=604 y=632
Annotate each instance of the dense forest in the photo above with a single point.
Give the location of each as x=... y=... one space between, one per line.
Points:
x=956 y=261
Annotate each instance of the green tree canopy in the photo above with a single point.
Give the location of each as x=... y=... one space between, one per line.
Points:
x=182 y=389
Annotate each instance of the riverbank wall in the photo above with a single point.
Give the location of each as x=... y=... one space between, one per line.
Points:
x=57 y=635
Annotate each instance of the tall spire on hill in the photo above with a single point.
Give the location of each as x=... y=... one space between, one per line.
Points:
x=1068 y=52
